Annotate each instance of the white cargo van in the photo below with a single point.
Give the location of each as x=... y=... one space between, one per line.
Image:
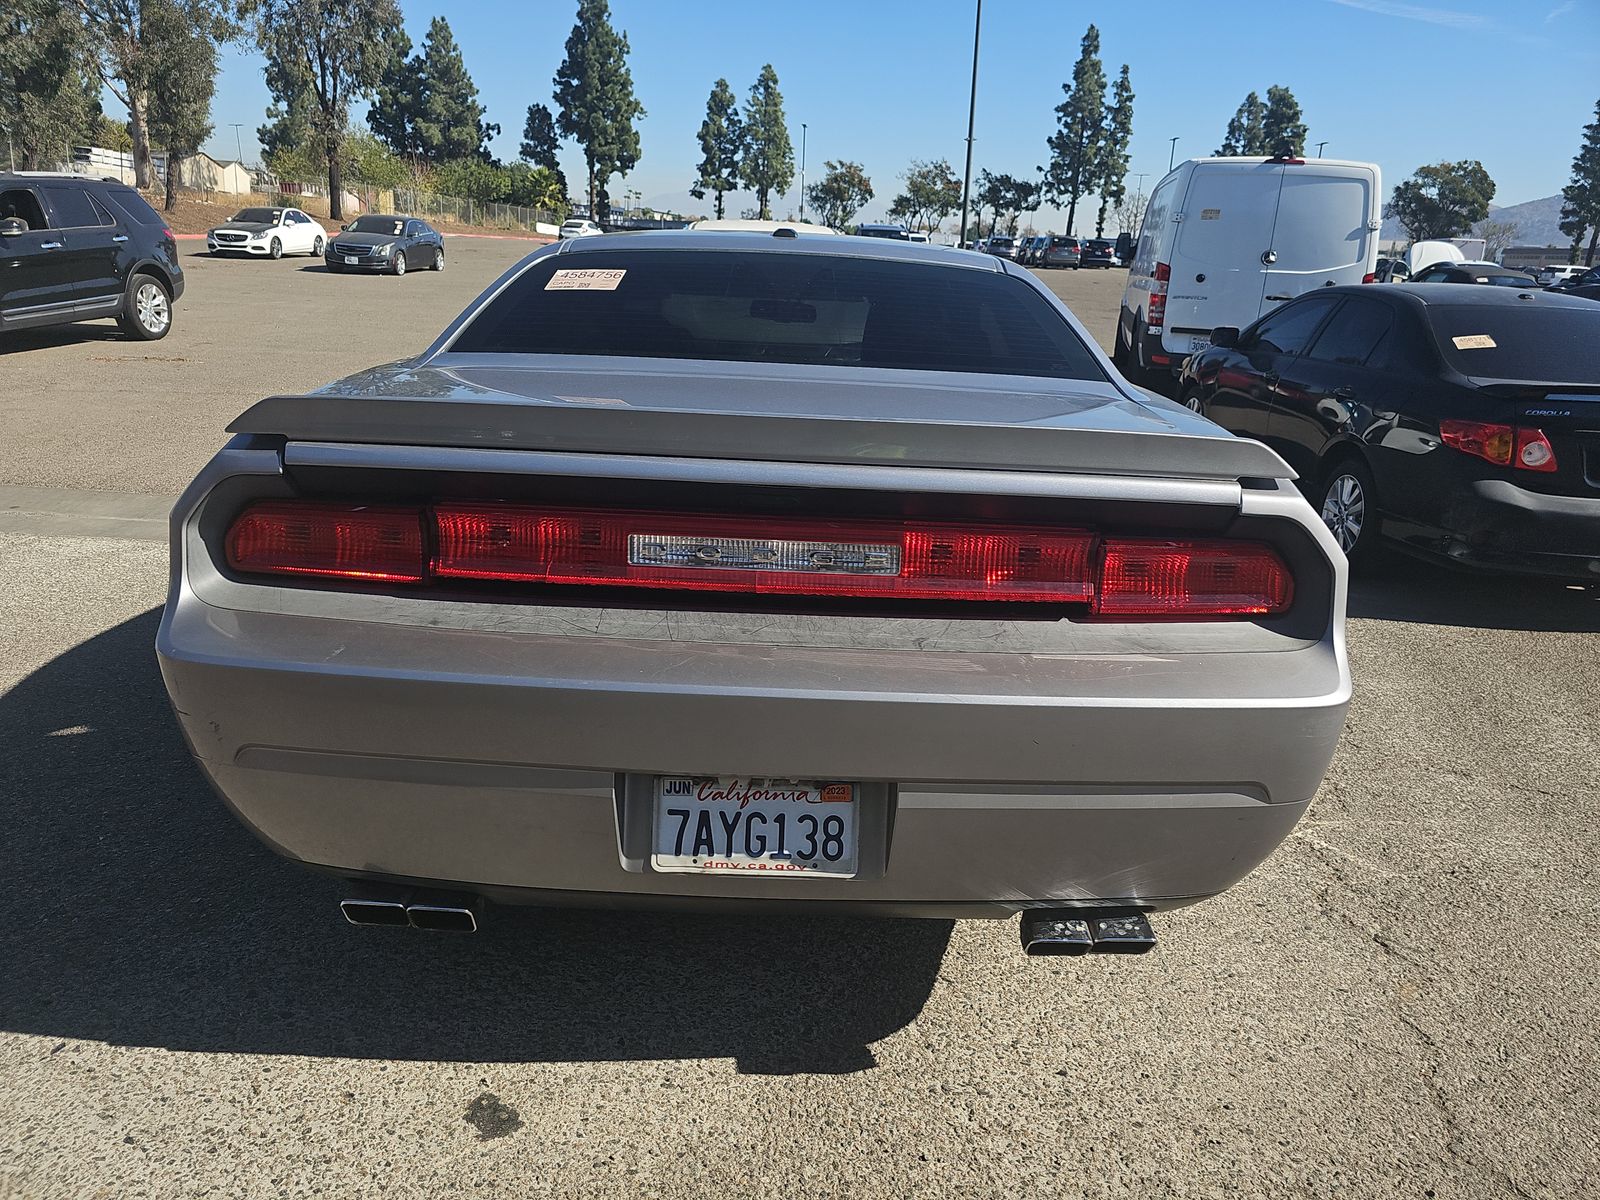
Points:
x=1226 y=239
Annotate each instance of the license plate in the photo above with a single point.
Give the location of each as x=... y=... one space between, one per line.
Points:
x=734 y=825
x=351 y=260
x=1199 y=343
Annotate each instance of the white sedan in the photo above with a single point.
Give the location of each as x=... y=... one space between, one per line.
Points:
x=269 y=232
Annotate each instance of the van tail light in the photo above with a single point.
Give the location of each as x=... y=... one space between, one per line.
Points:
x=1369 y=277
x=1114 y=577
x=340 y=541
x=1151 y=577
x=1156 y=314
x=1519 y=446
x=762 y=556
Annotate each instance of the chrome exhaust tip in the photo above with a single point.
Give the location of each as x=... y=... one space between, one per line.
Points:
x=364 y=911
x=1074 y=931
x=444 y=913
x=1046 y=932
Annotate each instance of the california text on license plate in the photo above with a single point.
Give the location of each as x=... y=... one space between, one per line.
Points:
x=351 y=259
x=734 y=825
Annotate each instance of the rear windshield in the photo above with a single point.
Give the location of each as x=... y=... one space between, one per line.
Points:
x=1526 y=341
x=732 y=306
x=133 y=207
x=1002 y=241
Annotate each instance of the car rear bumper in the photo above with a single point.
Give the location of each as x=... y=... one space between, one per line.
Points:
x=512 y=764
x=1493 y=524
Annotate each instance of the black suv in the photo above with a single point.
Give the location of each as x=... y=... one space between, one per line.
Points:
x=73 y=248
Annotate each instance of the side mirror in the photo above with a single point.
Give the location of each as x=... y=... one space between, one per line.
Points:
x=1225 y=336
x=12 y=226
x=344 y=229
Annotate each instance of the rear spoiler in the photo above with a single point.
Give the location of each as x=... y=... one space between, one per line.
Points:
x=463 y=423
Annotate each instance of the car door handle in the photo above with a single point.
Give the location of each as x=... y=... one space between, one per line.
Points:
x=121 y=237
x=1280 y=297
x=49 y=245
x=1271 y=378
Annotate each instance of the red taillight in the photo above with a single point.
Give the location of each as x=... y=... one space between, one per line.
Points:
x=885 y=559
x=764 y=556
x=1156 y=314
x=1369 y=277
x=1534 y=451
x=1151 y=577
x=1525 y=448
x=338 y=540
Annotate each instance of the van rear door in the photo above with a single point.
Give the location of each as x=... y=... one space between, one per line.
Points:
x=1326 y=230
x=1225 y=225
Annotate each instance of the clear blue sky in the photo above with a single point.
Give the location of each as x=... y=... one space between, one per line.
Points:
x=882 y=82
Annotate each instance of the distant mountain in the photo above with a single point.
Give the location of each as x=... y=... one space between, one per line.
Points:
x=1538 y=223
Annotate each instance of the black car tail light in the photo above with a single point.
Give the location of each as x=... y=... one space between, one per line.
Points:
x=1519 y=446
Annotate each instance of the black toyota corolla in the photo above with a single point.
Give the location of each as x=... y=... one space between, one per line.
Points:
x=1463 y=423
x=391 y=244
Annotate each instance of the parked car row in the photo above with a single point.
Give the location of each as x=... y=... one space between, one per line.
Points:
x=385 y=244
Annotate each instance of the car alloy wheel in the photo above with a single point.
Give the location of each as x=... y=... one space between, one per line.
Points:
x=1344 y=509
x=438 y=259
x=316 y=248
x=1192 y=402
x=276 y=249
x=400 y=262
x=152 y=309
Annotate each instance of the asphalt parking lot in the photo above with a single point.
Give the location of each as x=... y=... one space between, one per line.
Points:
x=1399 y=1003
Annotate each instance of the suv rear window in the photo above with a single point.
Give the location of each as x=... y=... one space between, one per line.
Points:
x=134 y=207
x=1519 y=341
x=740 y=306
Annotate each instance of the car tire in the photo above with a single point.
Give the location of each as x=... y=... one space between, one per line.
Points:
x=398 y=265
x=316 y=248
x=1125 y=356
x=438 y=259
x=1191 y=401
x=275 y=250
x=146 y=314
x=1348 y=506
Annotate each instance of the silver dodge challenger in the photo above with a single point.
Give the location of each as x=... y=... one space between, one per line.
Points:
x=758 y=571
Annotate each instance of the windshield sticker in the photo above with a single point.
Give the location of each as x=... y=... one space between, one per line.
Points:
x=572 y=280
x=1210 y=214
x=1474 y=341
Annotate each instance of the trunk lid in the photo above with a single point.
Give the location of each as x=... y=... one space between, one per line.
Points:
x=776 y=412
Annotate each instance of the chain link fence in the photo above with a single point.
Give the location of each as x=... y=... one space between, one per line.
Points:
x=453 y=209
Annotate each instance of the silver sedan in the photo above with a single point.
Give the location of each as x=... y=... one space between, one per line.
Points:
x=723 y=570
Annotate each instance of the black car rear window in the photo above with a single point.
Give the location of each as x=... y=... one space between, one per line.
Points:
x=732 y=306
x=1522 y=341
x=133 y=206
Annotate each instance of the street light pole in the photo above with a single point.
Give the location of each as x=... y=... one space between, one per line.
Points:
x=1171 y=151
x=238 y=145
x=1320 y=145
x=802 y=170
x=972 y=113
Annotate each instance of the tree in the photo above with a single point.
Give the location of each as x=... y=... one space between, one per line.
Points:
x=594 y=97
x=841 y=193
x=1580 y=199
x=398 y=97
x=1075 y=147
x=289 y=126
x=766 y=163
x=369 y=161
x=1129 y=212
x=333 y=50
x=1442 y=201
x=1283 y=133
x=540 y=144
x=1496 y=235
x=1113 y=183
x=427 y=106
x=1007 y=197
x=182 y=78
x=117 y=29
x=47 y=98
x=932 y=193
x=1244 y=134
x=721 y=141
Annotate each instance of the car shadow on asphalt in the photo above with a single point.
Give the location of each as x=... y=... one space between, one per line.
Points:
x=1397 y=587
x=135 y=910
x=59 y=335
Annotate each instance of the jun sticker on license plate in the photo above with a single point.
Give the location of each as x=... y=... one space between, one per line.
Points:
x=735 y=825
